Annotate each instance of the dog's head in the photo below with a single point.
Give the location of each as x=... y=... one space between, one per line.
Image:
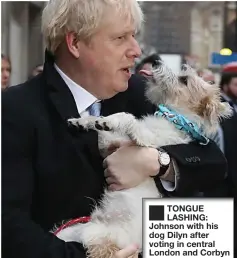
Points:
x=189 y=95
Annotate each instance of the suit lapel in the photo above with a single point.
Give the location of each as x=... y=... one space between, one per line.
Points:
x=85 y=144
x=63 y=102
x=59 y=93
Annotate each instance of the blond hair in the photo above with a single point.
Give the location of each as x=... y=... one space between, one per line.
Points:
x=83 y=17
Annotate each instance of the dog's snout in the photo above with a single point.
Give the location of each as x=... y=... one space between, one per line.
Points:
x=184 y=67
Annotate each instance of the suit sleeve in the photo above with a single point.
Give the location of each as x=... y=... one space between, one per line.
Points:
x=200 y=168
x=21 y=236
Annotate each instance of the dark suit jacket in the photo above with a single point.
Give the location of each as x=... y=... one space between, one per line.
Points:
x=229 y=127
x=51 y=172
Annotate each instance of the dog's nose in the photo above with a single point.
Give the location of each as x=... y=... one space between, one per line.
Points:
x=184 y=67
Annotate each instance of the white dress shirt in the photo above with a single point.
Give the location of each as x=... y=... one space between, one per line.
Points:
x=84 y=99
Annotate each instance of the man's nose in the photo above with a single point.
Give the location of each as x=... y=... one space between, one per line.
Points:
x=134 y=50
x=5 y=74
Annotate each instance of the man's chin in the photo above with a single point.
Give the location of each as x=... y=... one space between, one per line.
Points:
x=122 y=87
x=115 y=90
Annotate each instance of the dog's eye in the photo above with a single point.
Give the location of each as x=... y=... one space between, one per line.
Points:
x=183 y=79
x=156 y=63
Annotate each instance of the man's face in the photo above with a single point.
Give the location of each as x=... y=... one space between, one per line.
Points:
x=106 y=60
x=5 y=72
x=231 y=89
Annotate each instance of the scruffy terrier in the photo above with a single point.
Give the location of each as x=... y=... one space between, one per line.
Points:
x=117 y=221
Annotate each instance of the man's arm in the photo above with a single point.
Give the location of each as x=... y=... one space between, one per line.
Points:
x=21 y=236
x=195 y=167
x=169 y=174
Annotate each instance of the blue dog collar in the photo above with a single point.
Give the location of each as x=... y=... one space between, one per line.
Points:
x=182 y=123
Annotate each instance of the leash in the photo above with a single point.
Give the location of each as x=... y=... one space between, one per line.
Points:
x=71 y=223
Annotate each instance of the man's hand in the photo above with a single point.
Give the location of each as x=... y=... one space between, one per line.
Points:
x=128 y=252
x=130 y=165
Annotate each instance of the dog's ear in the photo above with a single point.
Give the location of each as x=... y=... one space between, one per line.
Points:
x=225 y=110
x=212 y=109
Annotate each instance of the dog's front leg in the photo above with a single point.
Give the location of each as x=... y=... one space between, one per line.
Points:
x=126 y=125
x=138 y=131
x=122 y=123
x=89 y=122
x=116 y=122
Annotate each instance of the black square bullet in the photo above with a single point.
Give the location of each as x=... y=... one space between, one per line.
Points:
x=156 y=212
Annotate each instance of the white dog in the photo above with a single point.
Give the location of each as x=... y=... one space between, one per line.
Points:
x=117 y=222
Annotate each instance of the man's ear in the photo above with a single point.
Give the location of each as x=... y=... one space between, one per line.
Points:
x=73 y=45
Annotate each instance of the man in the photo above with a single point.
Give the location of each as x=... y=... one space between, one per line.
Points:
x=5 y=72
x=229 y=88
x=227 y=132
x=52 y=172
x=226 y=137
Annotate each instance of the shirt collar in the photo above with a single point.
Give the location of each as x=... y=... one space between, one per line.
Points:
x=83 y=98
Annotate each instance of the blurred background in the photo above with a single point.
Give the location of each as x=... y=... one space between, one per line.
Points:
x=203 y=34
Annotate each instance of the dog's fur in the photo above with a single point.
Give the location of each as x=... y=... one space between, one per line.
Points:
x=117 y=222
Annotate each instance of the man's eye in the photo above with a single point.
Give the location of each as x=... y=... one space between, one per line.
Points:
x=121 y=37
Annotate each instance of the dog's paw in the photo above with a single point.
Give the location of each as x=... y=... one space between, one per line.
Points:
x=90 y=122
x=103 y=125
x=115 y=122
x=74 y=122
x=83 y=123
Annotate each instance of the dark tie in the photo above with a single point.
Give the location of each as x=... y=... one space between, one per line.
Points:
x=94 y=109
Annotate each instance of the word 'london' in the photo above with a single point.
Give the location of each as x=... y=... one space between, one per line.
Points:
x=202 y=252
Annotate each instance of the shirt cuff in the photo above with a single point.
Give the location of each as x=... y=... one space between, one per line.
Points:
x=171 y=186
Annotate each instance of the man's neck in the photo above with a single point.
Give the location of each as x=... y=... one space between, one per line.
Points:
x=69 y=71
x=74 y=75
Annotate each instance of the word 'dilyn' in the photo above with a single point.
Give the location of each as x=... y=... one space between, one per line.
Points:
x=193 y=227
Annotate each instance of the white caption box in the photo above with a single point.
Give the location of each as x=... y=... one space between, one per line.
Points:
x=188 y=228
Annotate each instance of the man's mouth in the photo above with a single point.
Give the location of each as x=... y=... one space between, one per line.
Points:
x=126 y=70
